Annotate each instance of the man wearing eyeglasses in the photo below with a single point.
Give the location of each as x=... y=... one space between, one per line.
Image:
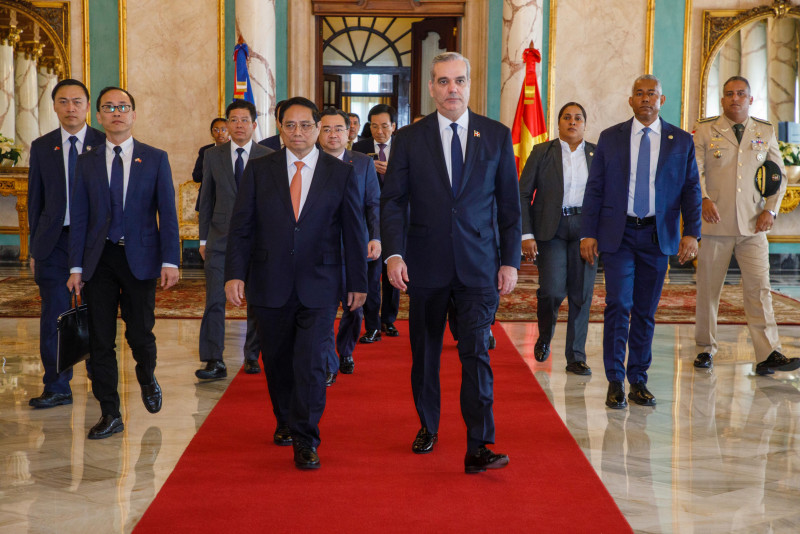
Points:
x=222 y=171
x=296 y=210
x=51 y=179
x=219 y=133
x=379 y=314
x=123 y=238
x=333 y=140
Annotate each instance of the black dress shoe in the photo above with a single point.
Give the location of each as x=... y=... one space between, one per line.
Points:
x=492 y=341
x=282 y=436
x=151 y=396
x=424 y=442
x=251 y=367
x=107 y=425
x=484 y=459
x=704 y=360
x=615 y=398
x=48 y=399
x=305 y=456
x=390 y=330
x=579 y=368
x=541 y=350
x=330 y=379
x=214 y=370
x=777 y=362
x=640 y=395
x=347 y=365
x=370 y=336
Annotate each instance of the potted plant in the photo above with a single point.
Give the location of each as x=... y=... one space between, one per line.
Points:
x=9 y=154
x=791 y=159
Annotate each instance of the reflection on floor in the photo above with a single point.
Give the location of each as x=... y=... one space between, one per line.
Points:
x=720 y=452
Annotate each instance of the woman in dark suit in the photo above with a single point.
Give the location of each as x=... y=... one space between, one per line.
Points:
x=551 y=191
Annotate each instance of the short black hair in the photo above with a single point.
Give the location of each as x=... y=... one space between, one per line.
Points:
x=332 y=111
x=238 y=103
x=69 y=81
x=215 y=121
x=354 y=115
x=112 y=88
x=298 y=101
x=383 y=108
x=278 y=108
x=736 y=79
x=568 y=104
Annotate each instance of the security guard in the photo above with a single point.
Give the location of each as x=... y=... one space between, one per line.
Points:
x=730 y=149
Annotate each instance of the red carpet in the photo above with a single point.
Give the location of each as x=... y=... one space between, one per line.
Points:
x=233 y=479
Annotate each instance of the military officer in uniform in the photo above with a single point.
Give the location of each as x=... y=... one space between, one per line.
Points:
x=729 y=150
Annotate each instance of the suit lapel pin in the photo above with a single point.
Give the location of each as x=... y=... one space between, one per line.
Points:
x=138 y=160
x=88 y=148
x=476 y=133
x=591 y=153
x=57 y=148
x=669 y=137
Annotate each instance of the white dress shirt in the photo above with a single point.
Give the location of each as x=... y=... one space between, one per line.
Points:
x=655 y=149
x=307 y=172
x=447 y=138
x=65 y=146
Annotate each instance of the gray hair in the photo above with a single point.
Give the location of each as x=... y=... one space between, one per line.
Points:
x=448 y=56
x=647 y=77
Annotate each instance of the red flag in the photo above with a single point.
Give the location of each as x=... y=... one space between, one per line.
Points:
x=529 y=125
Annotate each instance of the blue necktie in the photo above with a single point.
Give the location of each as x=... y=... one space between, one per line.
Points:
x=72 y=161
x=238 y=168
x=116 y=230
x=456 y=160
x=641 y=195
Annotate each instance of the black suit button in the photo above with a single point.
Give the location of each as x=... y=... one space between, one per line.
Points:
x=291 y=252
x=296 y=229
x=455 y=210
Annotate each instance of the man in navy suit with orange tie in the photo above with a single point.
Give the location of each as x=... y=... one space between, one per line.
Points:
x=124 y=237
x=297 y=220
x=643 y=179
x=451 y=229
x=51 y=178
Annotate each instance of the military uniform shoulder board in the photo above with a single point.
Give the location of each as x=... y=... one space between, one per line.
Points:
x=762 y=121
x=708 y=119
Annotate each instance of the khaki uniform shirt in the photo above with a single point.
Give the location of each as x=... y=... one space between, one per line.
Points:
x=727 y=172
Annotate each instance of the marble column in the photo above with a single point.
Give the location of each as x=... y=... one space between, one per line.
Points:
x=47 y=80
x=782 y=65
x=302 y=51
x=754 y=66
x=522 y=23
x=7 y=106
x=27 y=100
x=255 y=23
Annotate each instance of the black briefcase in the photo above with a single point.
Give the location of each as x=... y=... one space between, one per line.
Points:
x=73 y=335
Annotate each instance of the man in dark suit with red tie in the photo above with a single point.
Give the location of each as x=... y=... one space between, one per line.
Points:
x=379 y=313
x=642 y=181
x=297 y=211
x=124 y=237
x=450 y=229
x=51 y=178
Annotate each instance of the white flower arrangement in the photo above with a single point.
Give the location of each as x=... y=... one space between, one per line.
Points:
x=8 y=150
x=790 y=153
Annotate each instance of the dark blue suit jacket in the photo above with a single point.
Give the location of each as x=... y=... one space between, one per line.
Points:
x=273 y=142
x=151 y=222
x=452 y=235
x=605 y=202
x=369 y=191
x=276 y=254
x=47 y=189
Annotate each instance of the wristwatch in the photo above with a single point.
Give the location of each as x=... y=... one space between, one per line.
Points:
x=774 y=215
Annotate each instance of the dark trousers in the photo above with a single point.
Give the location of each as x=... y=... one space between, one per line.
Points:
x=113 y=287
x=293 y=343
x=563 y=273
x=475 y=309
x=345 y=338
x=634 y=278
x=51 y=276
x=372 y=306
x=212 y=327
x=390 y=301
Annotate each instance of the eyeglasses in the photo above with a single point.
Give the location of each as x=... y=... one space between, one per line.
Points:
x=219 y=130
x=337 y=129
x=305 y=127
x=244 y=121
x=122 y=108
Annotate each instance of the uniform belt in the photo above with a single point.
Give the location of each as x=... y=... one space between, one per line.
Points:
x=646 y=221
x=572 y=210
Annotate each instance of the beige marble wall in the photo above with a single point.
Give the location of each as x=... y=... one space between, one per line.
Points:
x=172 y=73
x=522 y=23
x=7 y=106
x=600 y=50
x=27 y=104
x=255 y=23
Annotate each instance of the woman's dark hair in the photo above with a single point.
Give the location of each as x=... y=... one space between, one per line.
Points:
x=568 y=104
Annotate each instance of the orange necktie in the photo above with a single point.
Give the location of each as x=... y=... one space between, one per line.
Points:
x=295 y=188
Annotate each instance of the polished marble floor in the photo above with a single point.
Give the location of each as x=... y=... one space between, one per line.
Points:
x=719 y=453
